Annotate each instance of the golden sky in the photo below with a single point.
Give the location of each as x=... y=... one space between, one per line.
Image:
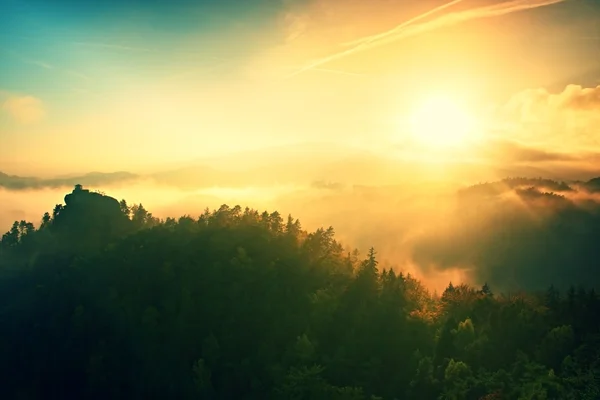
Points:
x=132 y=87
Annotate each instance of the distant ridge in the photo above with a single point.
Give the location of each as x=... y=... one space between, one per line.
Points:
x=15 y=182
x=518 y=183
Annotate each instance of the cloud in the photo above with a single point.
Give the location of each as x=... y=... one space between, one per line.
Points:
x=323 y=185
x=399 y=28
x=24 y=109
x=568 y=120
x=112 y=46
x=27 y=60
x=78 y=75
x=295 y=24
x=45 y=65
x=577 y=97
x=573 y=97
x=512 y=151
x=409 y=28
x=42 y=64
x=13 y=182
x=336 y=167
x=394 y=211
x=339 y=72
x=453 y=18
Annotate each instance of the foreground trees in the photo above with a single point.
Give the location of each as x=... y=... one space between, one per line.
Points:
x=242 y=304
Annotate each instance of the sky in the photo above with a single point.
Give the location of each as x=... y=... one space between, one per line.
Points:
x=139 y=85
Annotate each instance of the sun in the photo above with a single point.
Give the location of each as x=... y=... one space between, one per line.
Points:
x=442 y=122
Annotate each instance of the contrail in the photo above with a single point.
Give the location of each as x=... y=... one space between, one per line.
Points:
x=468 y=15
x=405 y=29
x=402 y=25
x=364 y=42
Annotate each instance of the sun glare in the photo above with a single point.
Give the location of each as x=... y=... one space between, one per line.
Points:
x=442 y=122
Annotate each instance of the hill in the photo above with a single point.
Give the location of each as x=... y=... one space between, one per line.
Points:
x=242 y=304
x=303 y=163
x=520 y=233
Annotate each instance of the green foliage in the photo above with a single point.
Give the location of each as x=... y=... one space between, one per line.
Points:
x=238 y=304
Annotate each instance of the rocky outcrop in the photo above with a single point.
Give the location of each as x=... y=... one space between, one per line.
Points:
x=82 y=200
x=91 y=217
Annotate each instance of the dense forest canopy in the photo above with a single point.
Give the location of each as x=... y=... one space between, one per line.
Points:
x=104 y=300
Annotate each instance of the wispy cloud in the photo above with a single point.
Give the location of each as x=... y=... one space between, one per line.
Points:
x=399 y=28
x=199 y=69
x=77 y=75
x=338 y=71
x=112 y=46
x=409 y=28
x=24 y=109
x=45 y=65
x=27 y=60
x=40 y=64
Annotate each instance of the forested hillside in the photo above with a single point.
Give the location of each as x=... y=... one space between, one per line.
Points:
x=105 y=301
x=521 y=233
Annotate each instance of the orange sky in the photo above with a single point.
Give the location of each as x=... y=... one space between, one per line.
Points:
x=126 y=88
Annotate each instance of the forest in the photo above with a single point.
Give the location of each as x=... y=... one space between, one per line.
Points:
x=102 y=300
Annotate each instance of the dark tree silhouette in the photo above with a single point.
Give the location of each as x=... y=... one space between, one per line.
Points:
x=104 y=300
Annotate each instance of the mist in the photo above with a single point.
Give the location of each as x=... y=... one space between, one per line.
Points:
x=436 y=219
x=437 y=232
